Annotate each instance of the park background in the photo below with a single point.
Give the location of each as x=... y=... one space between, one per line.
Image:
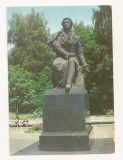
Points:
x=30 y=58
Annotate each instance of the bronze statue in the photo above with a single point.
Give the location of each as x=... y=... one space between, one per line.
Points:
x=66 y=66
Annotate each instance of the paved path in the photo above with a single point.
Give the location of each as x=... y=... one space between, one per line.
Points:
x=20 y=140
x=91 y=119
x=27 y=143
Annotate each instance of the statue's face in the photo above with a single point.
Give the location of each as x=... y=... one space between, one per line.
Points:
x=67 y=24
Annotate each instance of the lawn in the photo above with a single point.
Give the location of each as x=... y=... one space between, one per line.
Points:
x=32 y=130
x=21 y=115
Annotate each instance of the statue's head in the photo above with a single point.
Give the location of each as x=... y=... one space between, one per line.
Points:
x=67 y=23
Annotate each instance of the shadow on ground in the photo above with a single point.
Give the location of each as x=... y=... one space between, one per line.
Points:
x=98 y=146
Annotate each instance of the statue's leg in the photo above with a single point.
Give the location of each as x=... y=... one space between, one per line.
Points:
x=71 y=72
x=64 y=73
x=58 y=70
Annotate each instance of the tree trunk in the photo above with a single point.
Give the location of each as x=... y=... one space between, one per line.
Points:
x=17 y=111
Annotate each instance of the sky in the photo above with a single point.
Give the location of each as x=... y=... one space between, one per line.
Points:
x=55 y=14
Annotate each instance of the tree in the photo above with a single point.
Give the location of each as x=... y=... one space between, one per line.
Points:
x=29 y=61
x=102 y=20
x=29 y=35
x=25 y=94
x=98 y=54
x=20 y=92
x=26 y=29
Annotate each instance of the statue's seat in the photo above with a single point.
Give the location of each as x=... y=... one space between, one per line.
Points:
x=79 y=81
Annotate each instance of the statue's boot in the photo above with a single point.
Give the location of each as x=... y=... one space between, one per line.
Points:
x=71 y=72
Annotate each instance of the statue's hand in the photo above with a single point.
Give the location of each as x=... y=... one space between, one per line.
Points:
x=71 y=55
x=87 y=68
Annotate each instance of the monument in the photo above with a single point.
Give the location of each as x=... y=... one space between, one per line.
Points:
x=64 y=106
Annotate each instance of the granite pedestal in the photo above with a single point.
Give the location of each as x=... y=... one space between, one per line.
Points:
x=64 y=125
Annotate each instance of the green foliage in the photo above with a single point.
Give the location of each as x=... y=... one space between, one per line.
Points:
x=27 y=29
x=102 y=20
x=99 y=81
x=29 y=61
x=37 y=113
x=109 y=112
x=36 y=129
x=12 y=115
x=20 y=92
x=31 y=58
x=29 y=35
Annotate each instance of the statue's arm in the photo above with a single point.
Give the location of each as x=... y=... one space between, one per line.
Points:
x=81 y=55
x=52 y=39
x=61 y=51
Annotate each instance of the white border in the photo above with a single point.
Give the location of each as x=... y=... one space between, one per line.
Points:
x=117 y=7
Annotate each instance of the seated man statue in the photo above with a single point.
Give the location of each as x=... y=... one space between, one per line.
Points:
x=66 y=67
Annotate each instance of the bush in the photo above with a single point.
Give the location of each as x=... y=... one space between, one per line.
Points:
x=37 y=126
x=109 y=112
x=37 y=113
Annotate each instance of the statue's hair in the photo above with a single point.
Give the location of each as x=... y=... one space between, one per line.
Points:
x=67 y=19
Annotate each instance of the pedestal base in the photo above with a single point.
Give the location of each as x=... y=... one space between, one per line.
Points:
x=64 y=141
x=64 y=126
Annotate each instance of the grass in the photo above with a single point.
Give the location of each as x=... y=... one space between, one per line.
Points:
x=21 y=115
x=36 y=128
x=32 y=130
